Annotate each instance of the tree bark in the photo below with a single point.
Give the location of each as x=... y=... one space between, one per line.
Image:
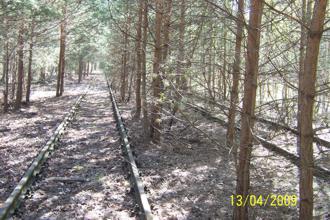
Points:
x=144 y=70
x=138 y=62
x=166 y=29
x=29 y=77
x=61 y=63
x=63 y=45
x=305 y=17
x=155 y=127
x=224 y=64
x=13 y=78
x=20 y=68
x=209 y=65
x=124 y=74
x=6 y=72
x=130 y=82
x=87 y=68
x=247 y=122
x=307 y=95
x=181 y=81
x=236 y=77
x=80 y=69
x=58 y=84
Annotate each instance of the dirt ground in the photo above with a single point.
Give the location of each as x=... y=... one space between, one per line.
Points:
x=85 y=177
x=191 y=175
x=24 y=132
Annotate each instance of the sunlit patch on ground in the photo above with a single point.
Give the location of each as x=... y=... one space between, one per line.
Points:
x=191 y=175
x=85 y=176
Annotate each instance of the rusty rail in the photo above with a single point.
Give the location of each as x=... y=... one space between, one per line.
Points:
x=14 y=199
x=145 y=210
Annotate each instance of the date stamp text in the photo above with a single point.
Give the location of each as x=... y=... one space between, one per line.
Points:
x=264 y=200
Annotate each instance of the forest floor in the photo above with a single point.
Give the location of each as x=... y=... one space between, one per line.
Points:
x=24 y=132
x=191 y=174
x=85 y=176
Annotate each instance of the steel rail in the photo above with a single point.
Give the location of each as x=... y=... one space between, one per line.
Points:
x=137 y=182
x=14 y=199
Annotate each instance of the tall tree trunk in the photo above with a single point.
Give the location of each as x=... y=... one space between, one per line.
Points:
x=130 y=83
x=29 y=77
x=3 y=68
x=6 y=71
x=182 y=54
x=124 y=74
x=236 y=76
x=84 y=69
x=247 y=122
x=42 y=76
x=5 y=54
x=80 y=69
x=209 y=65
x=305 y=17
x=87 y=68
x=58 y=84
x=203 y=61
x=155 y=127
x=144 y=70
x=138 y=60
x=307 y=88
x=63 y=42
x=181 y=81
x=13 y=77
x=302 y=48
x=166 y=29
x=224 y=64
x=20 y=68
x=61 y=63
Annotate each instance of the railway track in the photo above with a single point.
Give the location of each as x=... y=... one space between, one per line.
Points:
x=88 y=163
x=134 y=172
x=17 y=194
